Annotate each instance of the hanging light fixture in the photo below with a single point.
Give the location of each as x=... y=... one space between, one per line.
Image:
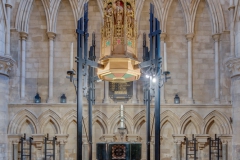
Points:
x=176 y=99
x=37 y=98
x=63 y=99
x=119 y=42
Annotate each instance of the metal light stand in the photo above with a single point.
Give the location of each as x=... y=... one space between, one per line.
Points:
x=85 y=79
x=151 y=66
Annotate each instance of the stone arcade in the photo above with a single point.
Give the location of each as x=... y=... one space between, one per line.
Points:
x=200 y=45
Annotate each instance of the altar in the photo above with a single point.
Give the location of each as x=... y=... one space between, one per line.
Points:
x=119 y=151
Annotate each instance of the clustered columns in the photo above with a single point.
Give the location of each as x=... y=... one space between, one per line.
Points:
x=51 y=37
x=233 y=65
x=216 y=38
x=190 y=72
x=23 y=36
x=178 y=140
x=164 y=51
x=8 y=12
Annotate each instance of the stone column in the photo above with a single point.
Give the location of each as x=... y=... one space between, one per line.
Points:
x=216 y=38
x=190 y=73
x=135 y=98
x=38 y=140
x=85 y=148
x=62 y=140
x=178 y=139
x=232 y=24
x=106 y=92
x=6 y=65
x=14 y=139
x=23 y=36
x=51 y=37
x=233 y=65
x=164 y=66
x=226 y=141
x=202 y=139
x=7 y=43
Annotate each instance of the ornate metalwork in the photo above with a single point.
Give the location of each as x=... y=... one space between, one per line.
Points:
x=118 y=152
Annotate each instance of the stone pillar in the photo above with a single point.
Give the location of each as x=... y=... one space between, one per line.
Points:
x=135 y=98
x=14 y=139
x=106 y=92
x=23 y=36
x=6 y=65
x=7 y=43
x=62 y=140
x=226 y=141
x=85 y=148
x=202 y=139
x=216 y=38
x=164 y=67
x=190 y=73
x=233 y=65
x=51 y=37
x=38 y=140
x=178 y=139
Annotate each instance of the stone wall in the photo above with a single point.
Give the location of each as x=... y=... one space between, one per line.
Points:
x=175 y=120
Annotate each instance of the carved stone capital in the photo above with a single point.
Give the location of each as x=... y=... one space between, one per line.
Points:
x=23 y=35
x=62 y=138
x=202 y=140
x=163 y=36
x=38 y=140
x=108 y=137
x=178 y=138
x=233 y=66
x=14 y=138
x=216 y=37
x=225 y=138
x=6 y=65
x=189 y=36
x=51 y=35
x=133 y=138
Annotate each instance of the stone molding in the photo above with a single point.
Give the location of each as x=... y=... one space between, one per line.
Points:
x=233 y=66
x=62 y=138
x=6 y=65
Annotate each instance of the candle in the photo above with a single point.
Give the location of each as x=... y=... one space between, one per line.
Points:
x=71 y=57
x=122 y=118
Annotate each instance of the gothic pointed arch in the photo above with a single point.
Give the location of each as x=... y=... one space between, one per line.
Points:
x=19 y=119
x=220 y=120
x=115 y=118
x=191 y=117
x=23 y=15
x=172 y=118
x=50 y=116
x=139 y=119
x=67 y=119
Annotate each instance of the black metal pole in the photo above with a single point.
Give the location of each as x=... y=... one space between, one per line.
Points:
x=148 y=122
x=79 y=91
x=157 y=94
x=45 y=148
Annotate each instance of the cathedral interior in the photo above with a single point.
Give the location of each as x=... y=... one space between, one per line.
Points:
x=199 y=45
